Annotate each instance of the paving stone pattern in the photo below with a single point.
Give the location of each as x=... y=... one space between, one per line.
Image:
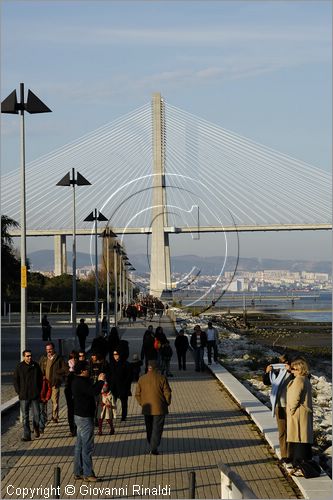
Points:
x=204 y=427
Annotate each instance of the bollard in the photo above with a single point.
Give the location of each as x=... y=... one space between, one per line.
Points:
x=57 y=481
x=191 y=484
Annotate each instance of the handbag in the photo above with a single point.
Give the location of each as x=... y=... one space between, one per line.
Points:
x=157 y=344
x=309 y=468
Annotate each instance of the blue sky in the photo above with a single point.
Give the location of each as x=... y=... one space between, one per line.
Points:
x=260 y=69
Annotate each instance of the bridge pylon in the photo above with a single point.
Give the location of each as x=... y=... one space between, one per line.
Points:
x=160 y=268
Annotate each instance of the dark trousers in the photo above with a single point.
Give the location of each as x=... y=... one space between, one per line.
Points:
x=281 y=420
x=82 y=342
x=154 y=429
x=300 y=452
x=181 y=355
x=70 y=409
x=211 y=344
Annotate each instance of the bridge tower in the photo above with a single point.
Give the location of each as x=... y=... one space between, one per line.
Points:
x=160 y=269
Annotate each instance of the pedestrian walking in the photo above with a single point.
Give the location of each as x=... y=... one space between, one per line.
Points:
x=82 y=333
x=73 y=359
x=181 y=345
x=299 y=414
x=212 y=341
x=148 y=350
x=278 y=375
x=98 y=364
x=46 y=328
x=121 y=379
x=153 y=394
x=198 y=342
x=107 y=408
x=28 y=384
x=54 y=369
x=84 y=392
x=113 y=341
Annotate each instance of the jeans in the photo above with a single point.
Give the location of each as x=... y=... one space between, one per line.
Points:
x=25 y=405
x=84 y=446
x=211 y=344
x=198 y=358
x=154 y=429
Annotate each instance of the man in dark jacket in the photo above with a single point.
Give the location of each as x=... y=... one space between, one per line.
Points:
x=121 y=379
x=54 y=369
x=82 y=332
x=148 y=350
x=153 y=394
x=198 y=342
x=28 y=384
x=84 y=392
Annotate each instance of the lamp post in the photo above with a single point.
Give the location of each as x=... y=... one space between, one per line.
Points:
x=96 y=216
x=33 y=106
x=78 y=181
x=108 y=233
x=116 y=251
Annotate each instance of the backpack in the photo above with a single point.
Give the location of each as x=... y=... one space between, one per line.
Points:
x=157 y=344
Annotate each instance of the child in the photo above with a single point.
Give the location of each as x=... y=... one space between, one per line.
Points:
x=136 y=367
x=107 y=406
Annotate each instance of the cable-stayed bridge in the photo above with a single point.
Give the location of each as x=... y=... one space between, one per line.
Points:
x=162 y=170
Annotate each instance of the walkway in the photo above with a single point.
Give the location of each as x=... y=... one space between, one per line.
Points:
x=205 y=427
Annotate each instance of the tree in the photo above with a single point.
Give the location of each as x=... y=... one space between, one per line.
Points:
x=10 y=264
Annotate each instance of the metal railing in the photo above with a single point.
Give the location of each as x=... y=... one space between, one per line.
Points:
x=232 y=485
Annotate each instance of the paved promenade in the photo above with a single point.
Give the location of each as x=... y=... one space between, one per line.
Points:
x=204 y=427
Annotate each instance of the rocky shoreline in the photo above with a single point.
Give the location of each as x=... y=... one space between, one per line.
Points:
x=248 y=343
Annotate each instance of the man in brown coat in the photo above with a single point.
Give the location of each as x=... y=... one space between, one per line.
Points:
x=153 y=394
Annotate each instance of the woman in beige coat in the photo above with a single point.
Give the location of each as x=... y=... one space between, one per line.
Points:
x=299 y=413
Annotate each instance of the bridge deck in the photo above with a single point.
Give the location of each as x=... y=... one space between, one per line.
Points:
x=205 y=427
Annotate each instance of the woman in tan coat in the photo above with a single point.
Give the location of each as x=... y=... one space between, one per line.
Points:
x=299 y=413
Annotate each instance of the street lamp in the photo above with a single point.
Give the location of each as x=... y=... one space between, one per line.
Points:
x=33 y=105
x=78 y=181
x=108 y=233
x=95 y=216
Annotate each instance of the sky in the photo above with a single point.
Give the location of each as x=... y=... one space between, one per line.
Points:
x=260 y=69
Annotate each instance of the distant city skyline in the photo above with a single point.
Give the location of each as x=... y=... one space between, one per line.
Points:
x=260 y=69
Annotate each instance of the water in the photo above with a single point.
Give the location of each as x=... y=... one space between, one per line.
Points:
x=308 y=306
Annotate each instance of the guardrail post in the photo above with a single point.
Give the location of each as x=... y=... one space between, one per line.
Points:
x=57 y=482
x=192 y=484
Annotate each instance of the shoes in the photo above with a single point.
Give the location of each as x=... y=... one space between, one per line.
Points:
x=26 y=439
x=100 y=433
x=73 y=433
x=55 y=420
x=41 y=431
x=112 y=432
x=91 y=479
x=78 y=476
x=123 y=419
x=37 y=433
x=296 y=473
x=154 y=452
